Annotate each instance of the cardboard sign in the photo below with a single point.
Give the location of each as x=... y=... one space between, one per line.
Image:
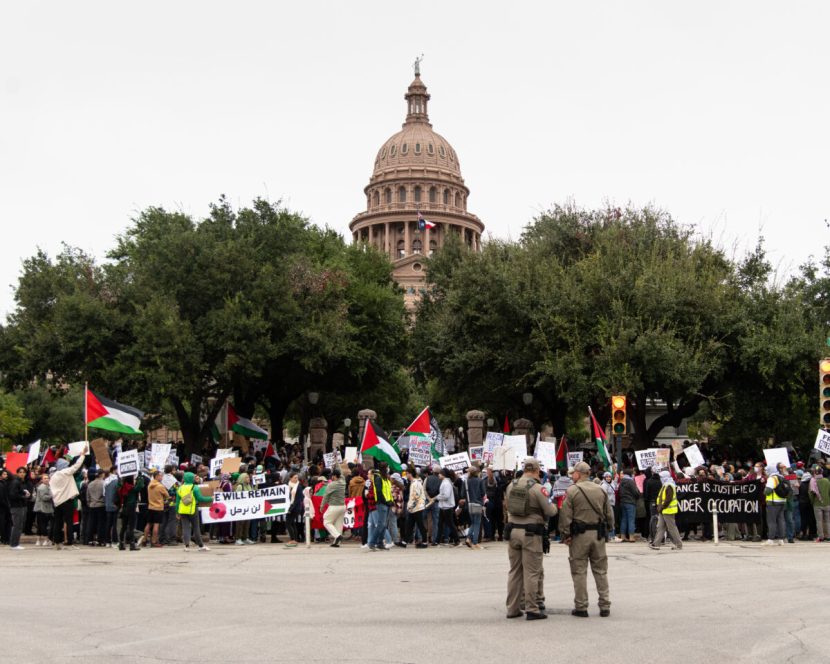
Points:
x=419 y=453
x=100 y=449
x=677 y=447
x=777 y=455
x=574 y=458
x=456 y=462
x=231 y=465
x=546 y=454
x=128 y=463
x=822 y=443
x=209 y=488
x=241 y=505
x=694 y=456
x=79 y=448
x=195 y=459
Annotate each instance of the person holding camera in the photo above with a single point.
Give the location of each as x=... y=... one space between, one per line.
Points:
x=584 y=521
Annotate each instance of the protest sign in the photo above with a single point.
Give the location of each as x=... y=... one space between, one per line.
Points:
x=102 y=453
x=493 y=440
x=573 y=459
x=694 y=456
x=258 y=479
x=351 y=454
x=172 y=459
x=776 y=455
x=823 y=441
x=477 y=453
x=79 y=448
x=128 y=463
x=677 y=447
x=519 y=445
x=158 y=455
x=645 y=458
x=661 y=461
x=146 y=459
x=735 y=502
x=210 y=487
x=546 y=454
x=215 y=467
x=640 y=481
x=260 y=445
x=231 y=465
x=455 y=462
x=168 y=481
x=504 y=458
x=34 y=452
x=329 y=459
x=239 y=505
x=195 y=459
x=15 y=460
x=355 y=514
x=419 y=453
x=224 y=453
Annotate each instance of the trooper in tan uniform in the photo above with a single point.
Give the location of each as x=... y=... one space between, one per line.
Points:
x=584 y=520
x=528 y=510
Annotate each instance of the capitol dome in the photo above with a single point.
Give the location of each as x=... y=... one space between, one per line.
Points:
x=415 y=197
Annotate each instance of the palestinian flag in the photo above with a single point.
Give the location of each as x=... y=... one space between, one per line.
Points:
x=376 y=445
x=599 y=438
x=109 y=415
x=562 y=456
x=321 y=489
x=275 y=506
x=244 y=426
x=426 y=427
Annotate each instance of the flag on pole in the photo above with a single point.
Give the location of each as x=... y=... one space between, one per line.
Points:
x=599 y=439
x=423 y=224
x=562 y=456
x=244 y=426
x=376 y=445
x=425 y=426
x=110 y=415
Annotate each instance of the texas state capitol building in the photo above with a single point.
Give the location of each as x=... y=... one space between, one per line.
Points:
x=416 y=170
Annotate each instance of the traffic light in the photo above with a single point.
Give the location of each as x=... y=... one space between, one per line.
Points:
x=618 y=412
x=824 y=392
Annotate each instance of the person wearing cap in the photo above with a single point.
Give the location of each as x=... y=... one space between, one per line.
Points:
x=528 y=509
x=585 y=517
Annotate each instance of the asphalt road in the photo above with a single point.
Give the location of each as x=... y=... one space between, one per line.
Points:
x=265 y=603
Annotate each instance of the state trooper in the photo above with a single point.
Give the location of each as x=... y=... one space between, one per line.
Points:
x=528 y=510
x=584 y=521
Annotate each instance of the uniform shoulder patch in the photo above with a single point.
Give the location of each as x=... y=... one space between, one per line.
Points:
x=545 y=492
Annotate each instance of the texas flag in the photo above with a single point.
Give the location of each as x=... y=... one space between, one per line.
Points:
x=423 y=224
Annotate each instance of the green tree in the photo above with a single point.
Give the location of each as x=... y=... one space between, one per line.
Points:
x=13 y=422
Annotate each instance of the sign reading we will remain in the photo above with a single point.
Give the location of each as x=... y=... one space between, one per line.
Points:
x=240 y=505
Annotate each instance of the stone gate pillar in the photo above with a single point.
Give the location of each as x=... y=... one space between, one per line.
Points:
x=475 y=428
x=318 y=433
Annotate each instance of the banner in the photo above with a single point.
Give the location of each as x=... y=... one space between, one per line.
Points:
x=573 y=459
x=546 y=454
x=735 y=502
x=645 y=458
x=355 y=514
x=456 y=462
x=823 y=441
x=419 y=452
x=128 y=463
x=240 y=505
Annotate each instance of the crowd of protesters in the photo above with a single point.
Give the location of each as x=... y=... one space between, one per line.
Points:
x=72 y=502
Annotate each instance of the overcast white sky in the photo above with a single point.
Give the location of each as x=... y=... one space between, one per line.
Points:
x=715 y=111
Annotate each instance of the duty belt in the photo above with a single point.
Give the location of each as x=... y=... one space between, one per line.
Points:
x=529 y=528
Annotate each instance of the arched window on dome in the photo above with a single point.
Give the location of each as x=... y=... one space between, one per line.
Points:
x=417 y=194
x=376 y=199
x=457 y=200
x=401 y=194
x=393 y=150
x=401 y=249
x=417 y=246
x=404 y=148
x=387 y=194
x=446 y=196
x=433 y=195
x=430 y=149
x=417 y=148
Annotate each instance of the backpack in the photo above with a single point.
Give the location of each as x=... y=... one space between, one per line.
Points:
x=187 y=498
x=783 y=488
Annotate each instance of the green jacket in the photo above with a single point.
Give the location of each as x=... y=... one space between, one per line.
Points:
x=823 y=485
x=189 y=478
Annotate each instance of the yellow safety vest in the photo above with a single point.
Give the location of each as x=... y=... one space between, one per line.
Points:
x=385 y=488
x=182 y=491
x=774 y=497
x=672 y=507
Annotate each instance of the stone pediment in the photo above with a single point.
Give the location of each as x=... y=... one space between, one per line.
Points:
x=410 y=265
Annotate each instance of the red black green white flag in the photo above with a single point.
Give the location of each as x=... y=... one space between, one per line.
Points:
x=599 y=439
x=562 y=456
x=102 y=413
x=244 y=426
x=425 y=427
x=376 y=444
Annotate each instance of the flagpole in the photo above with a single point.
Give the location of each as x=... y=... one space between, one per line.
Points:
x=86 y=423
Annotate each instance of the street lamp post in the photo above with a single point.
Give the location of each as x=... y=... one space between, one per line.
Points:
x=346 y=424
x=313 y=398
x=490 y=423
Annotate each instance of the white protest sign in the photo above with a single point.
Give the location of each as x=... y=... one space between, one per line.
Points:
x=168 y=481
x=822 y=442
x=128 y=463
x=260 y=445
x=79 y=448
x=493 y=440
x=455 y=462
x=477 y=453
x=504 y=458
x=215 y=466
x=258 y=479
x=329 y=459
x=147 y=459
x=776 y=455
x=546 y=454
x=645 y=458
x=419 y=453
x=574 y=458
x=195 y=459
x=351 y=454
x=224 y=452
x=519 y=445
x=694 y=456
x=172 y=459
x=239 y=505
x=158 y=454
x=34 y=452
